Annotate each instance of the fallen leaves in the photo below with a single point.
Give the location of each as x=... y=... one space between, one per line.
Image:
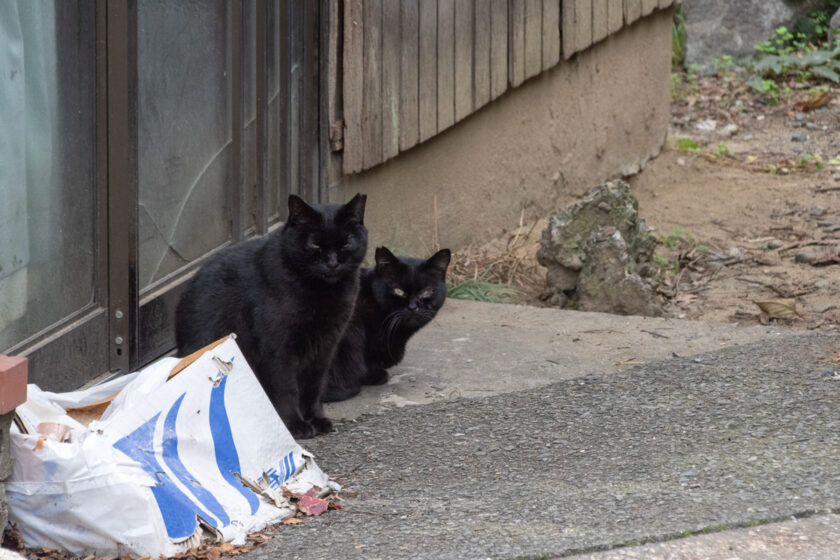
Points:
x=309 y=503
x=781 y=308
x=817 y=101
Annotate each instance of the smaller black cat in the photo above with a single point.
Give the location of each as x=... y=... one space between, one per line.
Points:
x=397 y=297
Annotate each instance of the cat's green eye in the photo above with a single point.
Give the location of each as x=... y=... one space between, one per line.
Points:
x=399 y=292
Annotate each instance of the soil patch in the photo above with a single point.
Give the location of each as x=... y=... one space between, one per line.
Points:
x=746 y=209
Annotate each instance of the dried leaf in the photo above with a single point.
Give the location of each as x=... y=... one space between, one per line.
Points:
x=312 y=505
x=822 y=99
x=782 y=308
x=292 y=521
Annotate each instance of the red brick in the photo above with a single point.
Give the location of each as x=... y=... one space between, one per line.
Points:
x=13 y=377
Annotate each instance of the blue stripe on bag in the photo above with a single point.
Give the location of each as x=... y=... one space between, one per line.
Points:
x=227 y=457
x=178 y=511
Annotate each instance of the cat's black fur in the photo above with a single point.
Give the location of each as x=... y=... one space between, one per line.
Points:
x=397 y=297
x=288 y=297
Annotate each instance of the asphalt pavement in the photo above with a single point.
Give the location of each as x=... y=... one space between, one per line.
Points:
x=678 y=451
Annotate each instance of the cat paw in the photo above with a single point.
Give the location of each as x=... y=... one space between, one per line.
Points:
x=322 y=425
x=376 y=377
x=301 y=429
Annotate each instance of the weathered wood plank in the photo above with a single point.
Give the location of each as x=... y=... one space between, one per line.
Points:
x=390 y=79
x=427 y=75
x=600 y=27
x=409 y=69
x=632 y=11
x=481 y=54
x=615 y=15
x=648 y=6
x=372 y=102
x=533 y=38
x=569 y=35
x=499 y=68
x=463 y=58
x=353 y=84
x=550 y=33
x=516 y=41
x=446 y=64
x=583 y=23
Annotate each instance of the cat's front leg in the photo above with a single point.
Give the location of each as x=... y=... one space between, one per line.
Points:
x=313 y=384
x=284 y=393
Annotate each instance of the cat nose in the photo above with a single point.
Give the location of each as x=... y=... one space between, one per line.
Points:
x=332 y=260
x=412 y=305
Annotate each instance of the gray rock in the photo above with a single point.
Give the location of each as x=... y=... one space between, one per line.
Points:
x=799 y=117
x=733 y=27
x=824 y=307
x=805 y=257
x=834 y=24
x=598 y=251
x=729 y=130
x=608 y=283
x=799 y=136
x=773 y=244
x=811 y=126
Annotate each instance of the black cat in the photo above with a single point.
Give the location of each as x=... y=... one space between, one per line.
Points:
x=288 y=297
x=397 y=297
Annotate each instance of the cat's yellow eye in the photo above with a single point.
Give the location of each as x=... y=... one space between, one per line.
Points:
x=314 y=246
x=399 y=292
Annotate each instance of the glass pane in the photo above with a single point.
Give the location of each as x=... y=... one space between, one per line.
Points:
x=47 y=158
x=184 y=132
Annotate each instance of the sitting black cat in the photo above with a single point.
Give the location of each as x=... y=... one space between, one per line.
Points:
x=397 y=297
x=288 y=297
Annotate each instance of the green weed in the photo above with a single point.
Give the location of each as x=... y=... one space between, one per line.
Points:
x=483 y=290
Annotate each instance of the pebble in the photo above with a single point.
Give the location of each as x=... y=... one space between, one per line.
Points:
x=799 y=136
x=811 y=126
x=729 y=130
x=806 y=257
x=800 y=117
x=773 y=244
x=748 y=137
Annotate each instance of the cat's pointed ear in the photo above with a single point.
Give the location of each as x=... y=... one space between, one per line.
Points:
x=439 y=261
x=299 y=211
x=385 y=259
x=354 y=210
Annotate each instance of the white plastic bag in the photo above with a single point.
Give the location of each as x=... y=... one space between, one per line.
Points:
x=169 y=465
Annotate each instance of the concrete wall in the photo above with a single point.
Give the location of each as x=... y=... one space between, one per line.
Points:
x=602 y=114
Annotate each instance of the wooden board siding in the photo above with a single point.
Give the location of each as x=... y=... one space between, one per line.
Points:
x=632 y=11
x=413 y=68
x=615 y=15
x=550 y=33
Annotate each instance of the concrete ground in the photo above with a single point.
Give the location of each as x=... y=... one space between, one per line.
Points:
x=516 y=432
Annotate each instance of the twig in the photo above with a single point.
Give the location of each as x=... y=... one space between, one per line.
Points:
x=518 y=231
x=826 y=189
x=822 y=242
x=655 y=334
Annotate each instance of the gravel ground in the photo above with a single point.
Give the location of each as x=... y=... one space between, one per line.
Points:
x=727 y=439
